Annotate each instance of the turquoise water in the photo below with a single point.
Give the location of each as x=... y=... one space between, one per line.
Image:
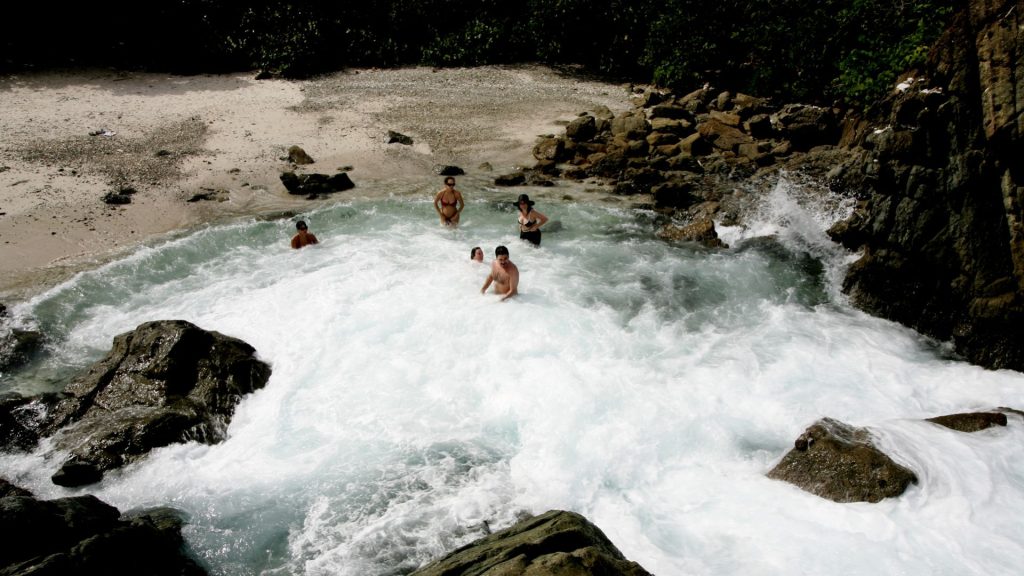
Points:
x=646 y=384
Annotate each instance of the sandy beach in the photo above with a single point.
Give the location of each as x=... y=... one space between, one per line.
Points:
x=70 y=138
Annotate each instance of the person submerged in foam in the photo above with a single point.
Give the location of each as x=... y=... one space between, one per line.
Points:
x=303 y=237
x=504 y=274
x=477 y=254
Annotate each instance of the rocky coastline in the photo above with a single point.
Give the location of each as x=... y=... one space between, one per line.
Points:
x=934 y=169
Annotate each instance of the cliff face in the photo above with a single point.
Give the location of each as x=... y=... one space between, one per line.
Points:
x=942 y=217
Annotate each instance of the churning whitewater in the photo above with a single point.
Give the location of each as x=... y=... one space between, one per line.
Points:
x=645 y=384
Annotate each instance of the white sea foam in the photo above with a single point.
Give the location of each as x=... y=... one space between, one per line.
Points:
x=646 y=385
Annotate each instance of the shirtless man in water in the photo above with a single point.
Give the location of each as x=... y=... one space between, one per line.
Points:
x=504 y=274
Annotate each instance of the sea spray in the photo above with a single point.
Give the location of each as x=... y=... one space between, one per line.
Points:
x=645 y=384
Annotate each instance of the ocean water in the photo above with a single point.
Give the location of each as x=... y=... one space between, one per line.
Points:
x=648 y=385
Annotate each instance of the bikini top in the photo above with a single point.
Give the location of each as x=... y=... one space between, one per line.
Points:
x=452 y=203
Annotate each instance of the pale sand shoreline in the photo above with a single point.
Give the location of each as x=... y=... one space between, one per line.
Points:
x=230 y=132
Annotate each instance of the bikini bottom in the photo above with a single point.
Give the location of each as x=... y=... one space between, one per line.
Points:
x=531 y=237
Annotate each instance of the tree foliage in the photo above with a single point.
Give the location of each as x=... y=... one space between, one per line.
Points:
x=794 y=49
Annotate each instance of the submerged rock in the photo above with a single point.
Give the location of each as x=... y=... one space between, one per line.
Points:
x=165 y=382
x=971 y=421
x=839 y=462
x=556 y=543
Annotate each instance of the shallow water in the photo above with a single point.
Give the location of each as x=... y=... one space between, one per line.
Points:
x=647 y=385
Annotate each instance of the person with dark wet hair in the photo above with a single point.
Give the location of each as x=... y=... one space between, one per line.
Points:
x=504 y=274
x=530 y=220
x=304 y=237
x=477 y=254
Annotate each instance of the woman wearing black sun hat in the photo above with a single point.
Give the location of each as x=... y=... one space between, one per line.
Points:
x=530 y=220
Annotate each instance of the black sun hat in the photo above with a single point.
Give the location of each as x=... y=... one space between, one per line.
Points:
x=524 y=198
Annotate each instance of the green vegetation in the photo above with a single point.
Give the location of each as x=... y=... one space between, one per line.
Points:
x=793 y=49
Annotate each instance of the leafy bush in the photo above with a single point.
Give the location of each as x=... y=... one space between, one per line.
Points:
x=793 y=49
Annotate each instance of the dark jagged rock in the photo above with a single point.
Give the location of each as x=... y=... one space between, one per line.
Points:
x=8 y=489
x=513 y=179
x=555 y=543
x=20 y=419
x=398 y=138
x=83 y=535
x=163 y=383
x=116 y=198
x=970 y=421
x=808 y=126
x=17 y=346
x=839 y=462
x=296 y=155
x=316 y=184
x=448 y=170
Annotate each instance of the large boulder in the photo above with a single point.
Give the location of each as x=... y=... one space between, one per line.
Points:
x=83 y=535
x=582 y=129
x=841 y=463
x=631 y=125
x=165 y=382
x=555 y=543
x=807 y=126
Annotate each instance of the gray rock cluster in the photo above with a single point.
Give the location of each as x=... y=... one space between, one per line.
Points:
x=686 y=152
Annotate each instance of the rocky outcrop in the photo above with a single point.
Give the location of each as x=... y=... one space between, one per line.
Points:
x=555 y=543
x=839 y=462
x=165 y=382
x=941 y=224
x=83 y=535
x=936 y=168
x=315 y=185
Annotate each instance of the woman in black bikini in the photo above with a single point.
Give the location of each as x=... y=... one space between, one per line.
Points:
x=530 y=220
x=448 y=203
